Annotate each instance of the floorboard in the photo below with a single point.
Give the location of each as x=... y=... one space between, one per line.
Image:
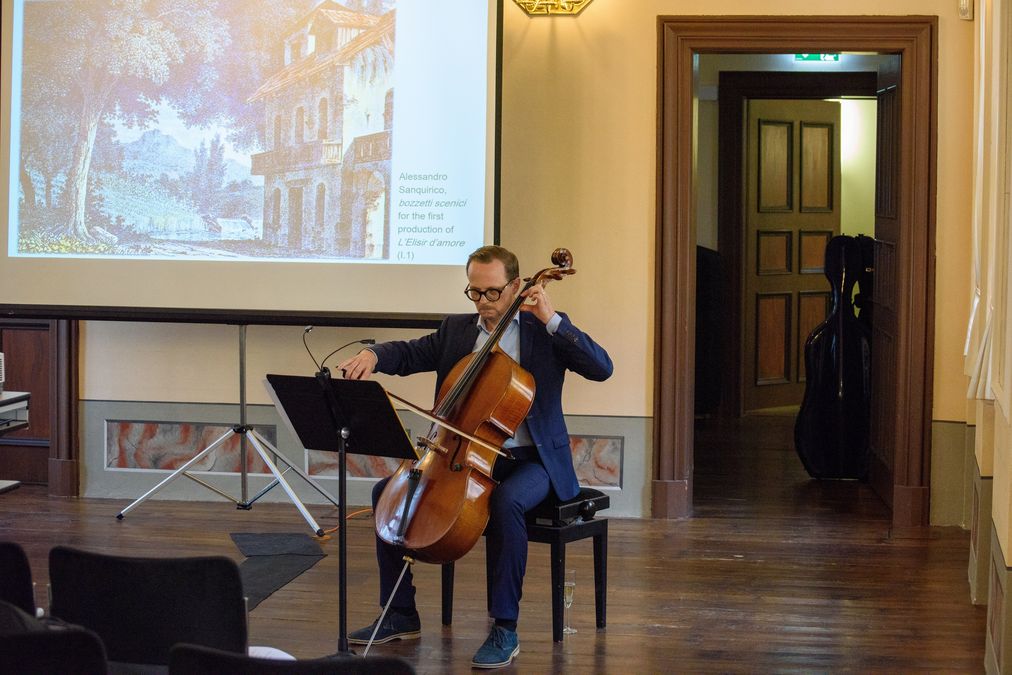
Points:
x=775 y=573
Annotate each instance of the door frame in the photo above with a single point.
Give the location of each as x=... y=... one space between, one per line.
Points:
x=734 y=89
x=914 y=38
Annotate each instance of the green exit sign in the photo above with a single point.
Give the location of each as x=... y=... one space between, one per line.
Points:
x=817 y=57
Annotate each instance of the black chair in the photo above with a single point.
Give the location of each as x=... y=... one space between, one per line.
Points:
x=141 y=607
x=557 y=524
x=187 y=659
x=66 y=651
x=16 y=577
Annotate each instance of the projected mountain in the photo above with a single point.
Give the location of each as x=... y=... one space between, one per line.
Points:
x=155 y=153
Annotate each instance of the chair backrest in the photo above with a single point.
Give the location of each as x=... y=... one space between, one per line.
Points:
x=16 y=577
x=195 y=660
x=64 y=651
x=141 y=607
x=13 y=619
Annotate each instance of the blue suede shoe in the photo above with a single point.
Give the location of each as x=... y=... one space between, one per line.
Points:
x=500 y=647
x=394 y=627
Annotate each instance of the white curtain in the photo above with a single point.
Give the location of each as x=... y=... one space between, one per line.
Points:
x=989 y=187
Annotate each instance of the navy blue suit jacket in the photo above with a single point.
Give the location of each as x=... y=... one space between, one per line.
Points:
x=546 y=357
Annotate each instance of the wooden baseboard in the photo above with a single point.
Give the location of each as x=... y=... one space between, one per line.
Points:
x=910 y=506
x=980 y=538
x=998 y=625
x=671 y=499
x=63 y=477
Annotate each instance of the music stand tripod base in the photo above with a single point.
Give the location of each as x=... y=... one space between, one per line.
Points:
x=260 y=446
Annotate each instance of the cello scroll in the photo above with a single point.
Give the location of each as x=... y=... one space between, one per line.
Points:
x=563 y=261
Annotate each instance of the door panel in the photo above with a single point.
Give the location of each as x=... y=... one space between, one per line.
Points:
x=792 y=209
x=813 y=307
x=775 y=173
x=774 y=252
x=812 y=257
x=773 y=330
x=817 y=172
x=885 y=327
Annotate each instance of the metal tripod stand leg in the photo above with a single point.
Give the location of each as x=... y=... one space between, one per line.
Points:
x=255 y=438
x=258 y=443
x=408 y=562
x=183 y=471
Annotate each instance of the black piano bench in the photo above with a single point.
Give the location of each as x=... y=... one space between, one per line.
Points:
x=558 y=523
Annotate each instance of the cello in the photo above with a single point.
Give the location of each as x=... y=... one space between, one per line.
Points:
x=438 y=505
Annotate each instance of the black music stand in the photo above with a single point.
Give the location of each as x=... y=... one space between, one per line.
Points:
x=340 y=416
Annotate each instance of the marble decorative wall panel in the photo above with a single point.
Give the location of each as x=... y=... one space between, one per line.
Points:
x=134 y=444
x=137 y=444
x=597 y=459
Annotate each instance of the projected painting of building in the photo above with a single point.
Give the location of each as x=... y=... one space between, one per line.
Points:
x=211 y=130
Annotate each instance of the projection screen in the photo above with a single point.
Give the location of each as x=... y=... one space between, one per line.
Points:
x=227 y=157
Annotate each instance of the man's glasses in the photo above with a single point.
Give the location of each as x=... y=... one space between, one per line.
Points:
x=491 y=294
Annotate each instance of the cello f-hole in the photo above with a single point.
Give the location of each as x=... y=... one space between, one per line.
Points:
x=454 y=464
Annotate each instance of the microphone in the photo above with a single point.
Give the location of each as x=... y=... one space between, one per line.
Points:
x=306 y=331
x=365 y=341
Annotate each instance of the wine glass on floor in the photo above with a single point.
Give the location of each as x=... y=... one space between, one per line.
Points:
x=569 y=587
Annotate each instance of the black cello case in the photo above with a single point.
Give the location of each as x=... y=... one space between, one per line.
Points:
x=831 y=433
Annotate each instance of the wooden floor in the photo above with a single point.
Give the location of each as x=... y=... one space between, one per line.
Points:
x=775 y=573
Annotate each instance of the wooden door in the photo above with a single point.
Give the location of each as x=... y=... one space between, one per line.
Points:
x=792 y=210
x=885 y=380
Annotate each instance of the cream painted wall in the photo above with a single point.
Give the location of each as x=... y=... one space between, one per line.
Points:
x=953 y=206
x=579 y=153
x=857 y=166
x=579 y=170
x=198 y=363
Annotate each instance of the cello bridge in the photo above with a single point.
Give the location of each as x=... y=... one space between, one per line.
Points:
x=429 y=444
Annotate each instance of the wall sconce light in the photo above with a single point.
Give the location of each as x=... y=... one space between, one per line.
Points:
x=546 y=7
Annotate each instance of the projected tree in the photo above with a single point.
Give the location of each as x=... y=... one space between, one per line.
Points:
x=206 y=128
x=119 y=60
x=44 y=150
x=125 y=55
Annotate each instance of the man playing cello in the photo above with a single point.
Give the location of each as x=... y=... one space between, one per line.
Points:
x=546 y=344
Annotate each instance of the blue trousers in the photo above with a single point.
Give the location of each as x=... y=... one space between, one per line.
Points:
x=523 y=485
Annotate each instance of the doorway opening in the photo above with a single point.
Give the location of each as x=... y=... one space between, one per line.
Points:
x=762 y=224
x=904 y=228
x=786 y=155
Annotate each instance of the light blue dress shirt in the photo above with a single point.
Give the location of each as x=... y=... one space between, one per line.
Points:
x=509 y=343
